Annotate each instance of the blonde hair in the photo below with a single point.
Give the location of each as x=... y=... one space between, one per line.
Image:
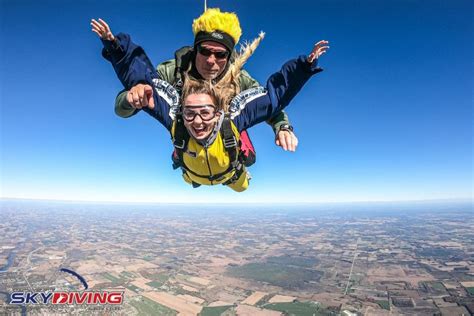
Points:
x=215 y=20
x=229 y=86
x=195 y=86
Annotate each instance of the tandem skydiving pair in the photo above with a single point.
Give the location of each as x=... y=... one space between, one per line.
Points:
x=205 y=116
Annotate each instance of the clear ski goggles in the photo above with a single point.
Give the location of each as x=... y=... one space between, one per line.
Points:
x=206 y=112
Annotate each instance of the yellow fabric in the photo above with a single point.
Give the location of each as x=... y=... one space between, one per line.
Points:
x=215 y=20
x=199 y=160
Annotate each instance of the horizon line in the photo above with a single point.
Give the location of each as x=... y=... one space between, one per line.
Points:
x=440 y=200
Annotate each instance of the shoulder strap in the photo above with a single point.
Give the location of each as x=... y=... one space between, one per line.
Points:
x=183 y=57
x=229 y=140
x=180 y=141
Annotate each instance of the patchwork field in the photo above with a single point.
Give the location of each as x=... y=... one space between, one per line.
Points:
x=286 y=272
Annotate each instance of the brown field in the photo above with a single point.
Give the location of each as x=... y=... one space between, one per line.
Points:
x=221 y=262
x=254 y=298
x=449 y=285
x=191 y=299
x=458 y=263
x=219 y=303
x=281 y=299
x=135 y=265
x=174 y=302
x=188 y=288
x=141 y=283
x=330 y=299
x=468 y=284
x=88 y=267
x=455 y=310
x=199 y=281
x=247 y=310
x=128 y=293
x=386 y=272
x=442 y=303
x=376 y=311
x=395 y=274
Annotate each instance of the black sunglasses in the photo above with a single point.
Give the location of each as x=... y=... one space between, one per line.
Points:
x=206 y=52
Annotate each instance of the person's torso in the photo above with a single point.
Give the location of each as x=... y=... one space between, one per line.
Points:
x=211 y=161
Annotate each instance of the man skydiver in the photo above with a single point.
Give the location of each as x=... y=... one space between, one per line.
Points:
x=216 y=34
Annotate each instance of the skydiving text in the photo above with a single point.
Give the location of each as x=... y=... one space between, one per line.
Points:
x=67 y=298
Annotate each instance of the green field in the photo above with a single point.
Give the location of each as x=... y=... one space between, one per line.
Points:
x=133 y=288
x=307 y=262
x=437 y=286
x=298 y=308
x=264 y=300
x=383 y=304
x=214 y=311
x=127 y=274
x=470 y=290
x=286 y=272
x=155 y=284
x=159 y=277
x=145 y=307
x=437 y=252
x=114 y=280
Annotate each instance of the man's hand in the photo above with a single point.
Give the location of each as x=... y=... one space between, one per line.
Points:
x=287 y=140
x=318 y=49
x=141 y=96
x=102 y=29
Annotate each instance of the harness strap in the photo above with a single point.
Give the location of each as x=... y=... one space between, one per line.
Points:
x=236 y=176
x=214 y=177
x=180 y=141
x=183 y=57
x=230 y=141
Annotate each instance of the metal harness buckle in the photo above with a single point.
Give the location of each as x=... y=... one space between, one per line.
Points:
x=179 y=146
x=230 y=142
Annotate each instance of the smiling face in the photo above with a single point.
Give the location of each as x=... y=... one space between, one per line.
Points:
x=200 y=115
x=211 y=59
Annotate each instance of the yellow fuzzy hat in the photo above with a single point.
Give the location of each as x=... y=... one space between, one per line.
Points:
x=214 y=25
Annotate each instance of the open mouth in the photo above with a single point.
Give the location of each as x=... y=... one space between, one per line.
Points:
x=199 y=131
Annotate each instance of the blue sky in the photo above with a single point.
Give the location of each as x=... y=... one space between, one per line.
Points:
x=390 y=118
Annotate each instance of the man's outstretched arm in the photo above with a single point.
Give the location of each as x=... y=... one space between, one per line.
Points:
x=280 y=123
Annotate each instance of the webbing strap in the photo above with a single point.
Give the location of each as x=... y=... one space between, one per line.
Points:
x=230 y=141
x=180 y=139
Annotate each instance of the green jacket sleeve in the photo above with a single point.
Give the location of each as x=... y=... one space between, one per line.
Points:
x=124 y=109
x=281 y=118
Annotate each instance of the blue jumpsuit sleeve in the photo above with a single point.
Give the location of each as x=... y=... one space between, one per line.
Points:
x=132 y=66
x=282 y=87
